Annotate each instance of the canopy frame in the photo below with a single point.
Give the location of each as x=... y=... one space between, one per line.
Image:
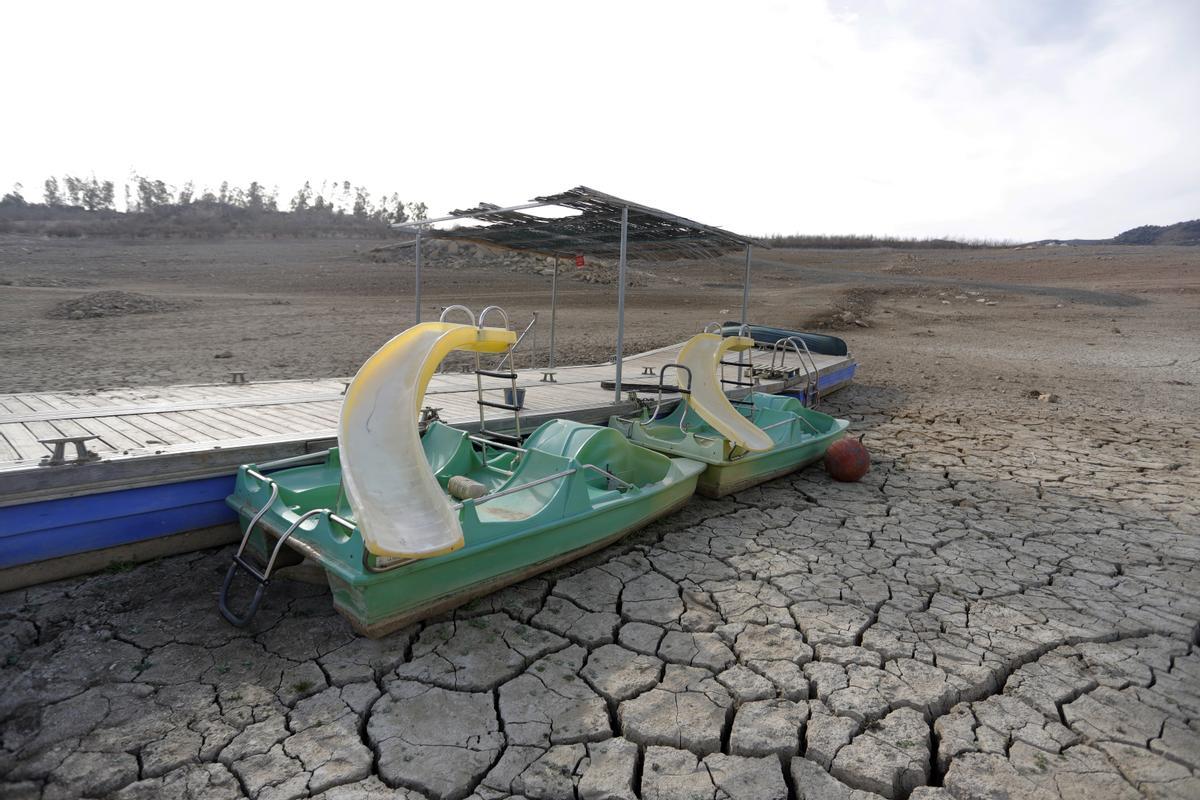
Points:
x=603 y=226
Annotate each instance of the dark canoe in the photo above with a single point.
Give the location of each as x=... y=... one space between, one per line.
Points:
x=817 y=342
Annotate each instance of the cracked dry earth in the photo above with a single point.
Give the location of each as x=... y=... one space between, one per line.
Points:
x=1006 y=607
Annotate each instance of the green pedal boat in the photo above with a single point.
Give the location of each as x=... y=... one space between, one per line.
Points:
x=743 y=443
x=406 y=525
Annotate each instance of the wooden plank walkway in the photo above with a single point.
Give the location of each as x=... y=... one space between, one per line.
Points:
x=149 y=423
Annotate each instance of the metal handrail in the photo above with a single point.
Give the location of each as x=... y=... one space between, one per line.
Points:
x=290 y=461
x=794 y=418
x=510 y=354
x=483 y=315
x=345 y=523
x=686 y=392
x=812 y=386
x=262 y=511
x=448 y=309
x=497 y=445
x=487 y=498
x=624 y=483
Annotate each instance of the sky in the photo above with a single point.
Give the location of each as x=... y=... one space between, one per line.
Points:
x=999 y=119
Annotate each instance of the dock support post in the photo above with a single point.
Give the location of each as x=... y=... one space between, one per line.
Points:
x=745 y=309
x=621 y=300
x=417 y=248
x=553 y=308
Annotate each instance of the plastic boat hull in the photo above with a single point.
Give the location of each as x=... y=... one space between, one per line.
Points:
x=721 y=479
x=728 y=470
x=574 y=518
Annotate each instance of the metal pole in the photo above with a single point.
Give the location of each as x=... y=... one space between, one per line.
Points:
x=621 y=300
x=417 y=248
x=553 y=308
x=745 y=308
x=746 y=287
x=533 y=353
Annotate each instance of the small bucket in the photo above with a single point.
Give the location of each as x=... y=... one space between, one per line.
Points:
x=519 y=402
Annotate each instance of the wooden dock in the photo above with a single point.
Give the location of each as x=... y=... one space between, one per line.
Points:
x=159 y=434
x=165 y=456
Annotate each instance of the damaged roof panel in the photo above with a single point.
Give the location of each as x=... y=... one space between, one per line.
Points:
x=653 y=234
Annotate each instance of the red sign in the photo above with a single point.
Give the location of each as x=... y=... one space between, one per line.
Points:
x=579 y=261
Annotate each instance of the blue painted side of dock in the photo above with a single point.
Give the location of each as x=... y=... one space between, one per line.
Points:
x=825 y=382
x=51 y=528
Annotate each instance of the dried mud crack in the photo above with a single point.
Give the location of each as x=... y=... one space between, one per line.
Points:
x=1006 y=606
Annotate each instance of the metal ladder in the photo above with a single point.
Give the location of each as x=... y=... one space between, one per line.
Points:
x=745 y=367
x=812 y=391
x=240 y=558
x=508 y=374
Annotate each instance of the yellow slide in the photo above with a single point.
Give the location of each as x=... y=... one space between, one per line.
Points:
x=702 y=355
x=398 y=505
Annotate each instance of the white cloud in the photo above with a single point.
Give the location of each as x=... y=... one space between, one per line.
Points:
x=1015 y=120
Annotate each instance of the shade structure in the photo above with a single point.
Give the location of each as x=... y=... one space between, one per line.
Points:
x=595 y=230
x=597 y=224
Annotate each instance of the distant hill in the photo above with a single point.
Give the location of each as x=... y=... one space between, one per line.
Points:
x=1180 y=233
x=202 y=219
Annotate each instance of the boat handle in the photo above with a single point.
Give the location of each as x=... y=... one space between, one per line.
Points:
x=684 y=392
x=624 y=483
x=497 y=445
x=487 y=498
x=290 y=461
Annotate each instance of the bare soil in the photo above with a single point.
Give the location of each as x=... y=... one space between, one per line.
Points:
x=1005 y=606
x=1114 y=326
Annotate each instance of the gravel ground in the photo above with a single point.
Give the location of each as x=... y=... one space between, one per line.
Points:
x=1006 y=606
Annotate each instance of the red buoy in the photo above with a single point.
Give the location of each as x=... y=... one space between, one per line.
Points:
x=847 y=460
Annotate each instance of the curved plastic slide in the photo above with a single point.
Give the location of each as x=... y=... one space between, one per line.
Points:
x=400 y=509
x=702 y=355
